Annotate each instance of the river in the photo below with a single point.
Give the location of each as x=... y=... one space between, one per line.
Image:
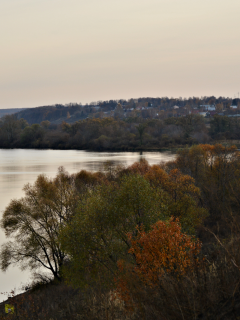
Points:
x=21 y=166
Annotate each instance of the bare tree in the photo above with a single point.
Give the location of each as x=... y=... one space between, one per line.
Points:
x=34 y=223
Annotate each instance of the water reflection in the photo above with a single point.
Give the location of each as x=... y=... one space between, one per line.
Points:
x=20 y=166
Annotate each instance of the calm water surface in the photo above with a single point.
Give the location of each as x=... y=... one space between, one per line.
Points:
x=21 y=166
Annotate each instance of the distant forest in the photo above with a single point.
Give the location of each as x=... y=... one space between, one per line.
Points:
x=144 y=123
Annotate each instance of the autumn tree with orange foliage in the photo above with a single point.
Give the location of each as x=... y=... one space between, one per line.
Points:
x=163 y=251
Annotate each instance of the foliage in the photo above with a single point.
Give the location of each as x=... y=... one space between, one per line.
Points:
x=146 y=227
x=141 y=226
x=216 y=171
x=164 y=250
x=32 y=135
x=10 y=128
x=225 y=127
x=139 y=195
x=105 y=133
x=181 y=196
x=96 y=238
x=34 y=223
x=141 y=128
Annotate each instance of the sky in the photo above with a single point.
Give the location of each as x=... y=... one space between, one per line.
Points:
x=62 y=51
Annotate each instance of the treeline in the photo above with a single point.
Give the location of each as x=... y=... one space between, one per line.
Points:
x=132 y=133
x=137 y=242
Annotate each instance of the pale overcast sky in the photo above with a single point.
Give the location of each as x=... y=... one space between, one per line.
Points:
x=61 y=51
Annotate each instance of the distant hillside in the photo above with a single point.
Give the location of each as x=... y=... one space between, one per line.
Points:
x=142 y=107
x=54 y=114
x=4 y=112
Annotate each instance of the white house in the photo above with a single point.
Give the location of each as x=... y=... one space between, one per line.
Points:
x=208 y=107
